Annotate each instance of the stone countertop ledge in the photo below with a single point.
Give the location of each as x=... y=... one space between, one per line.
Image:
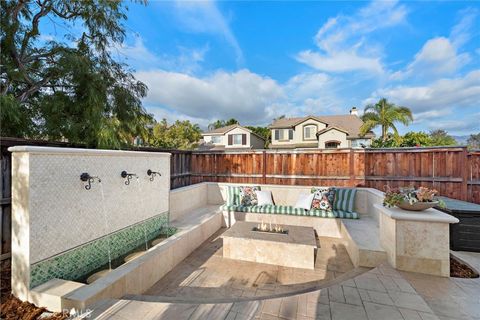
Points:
x=99 y=152
x=429 y=215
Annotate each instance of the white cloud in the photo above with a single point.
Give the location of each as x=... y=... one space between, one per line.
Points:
x=138 y=56
x=462 y=32
x=342 y=40
x=459 y=126
x=437 y=57
x=312 y=93
x=171 y=116
x=242 y=95
x=460 y=92
x=205 y=17
x=440 y=56
x=340 y=62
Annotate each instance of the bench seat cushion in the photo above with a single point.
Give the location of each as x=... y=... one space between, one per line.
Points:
x=289 y=210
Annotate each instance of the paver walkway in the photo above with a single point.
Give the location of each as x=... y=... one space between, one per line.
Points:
x=382 y=293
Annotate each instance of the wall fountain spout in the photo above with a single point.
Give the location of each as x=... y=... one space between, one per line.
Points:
x=152 y=174
x=128 y=176
x=86 y=177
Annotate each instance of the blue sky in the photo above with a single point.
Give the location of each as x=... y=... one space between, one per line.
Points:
x=258 y=60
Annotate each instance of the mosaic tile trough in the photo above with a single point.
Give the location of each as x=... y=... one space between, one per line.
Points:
x=81 y=261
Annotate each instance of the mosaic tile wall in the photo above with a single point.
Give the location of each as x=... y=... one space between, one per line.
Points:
x=63 y=215
x=80 y=261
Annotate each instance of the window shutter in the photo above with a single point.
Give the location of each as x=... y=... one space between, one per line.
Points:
x=230 y=139
x=290 y=134
x=244 y=139
x=277 y=134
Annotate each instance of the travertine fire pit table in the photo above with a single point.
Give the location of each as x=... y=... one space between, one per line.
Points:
x=295 y=249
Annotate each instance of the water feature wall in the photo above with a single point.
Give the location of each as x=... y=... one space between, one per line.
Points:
x=62 y=230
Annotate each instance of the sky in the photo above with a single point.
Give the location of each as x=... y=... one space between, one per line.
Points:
x=255 y=61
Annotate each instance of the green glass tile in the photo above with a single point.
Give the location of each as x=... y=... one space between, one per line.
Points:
x=76 y=263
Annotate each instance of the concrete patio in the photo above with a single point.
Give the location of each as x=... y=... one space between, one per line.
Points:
x=381 y=293
x=342 y=294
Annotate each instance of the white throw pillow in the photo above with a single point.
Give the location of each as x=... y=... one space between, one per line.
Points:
x=304 y=201
x=264 y=197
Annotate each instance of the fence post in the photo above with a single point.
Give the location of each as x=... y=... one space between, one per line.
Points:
x=264 y=167
x=352 y=168
x=464 y=170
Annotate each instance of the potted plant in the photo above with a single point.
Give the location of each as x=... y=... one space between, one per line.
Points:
x=411 y=199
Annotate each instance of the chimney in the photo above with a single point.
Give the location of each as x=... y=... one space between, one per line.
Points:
x=354 y=111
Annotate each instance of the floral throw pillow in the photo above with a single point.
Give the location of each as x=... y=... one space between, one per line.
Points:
x=248 y=196
x=323 y=198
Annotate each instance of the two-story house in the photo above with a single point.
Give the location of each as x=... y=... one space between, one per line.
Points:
x=231 y=137
x=324 y=132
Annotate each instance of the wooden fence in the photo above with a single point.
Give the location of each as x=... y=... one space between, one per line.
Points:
x=453 y=171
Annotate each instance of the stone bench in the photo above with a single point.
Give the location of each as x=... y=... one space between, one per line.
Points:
x=363 y=242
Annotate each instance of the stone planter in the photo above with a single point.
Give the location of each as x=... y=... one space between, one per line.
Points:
x=417 y=206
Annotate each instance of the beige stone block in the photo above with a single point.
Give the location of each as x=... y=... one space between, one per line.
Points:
x=424 y=265
x=423 y=239
x=196 y=195
x=51 y=293
x=293 y=250
x=20 y=277
x=216 y=194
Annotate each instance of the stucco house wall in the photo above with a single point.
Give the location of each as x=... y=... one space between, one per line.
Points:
x=252 y=141
x=237 y=131
x=333 y=135
x=298 y=138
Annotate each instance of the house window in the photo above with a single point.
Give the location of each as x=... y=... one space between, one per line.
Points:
x=309 y=132
x=283 y=134
x=237 y=139
x=360 y=143
x=332 y=144
x=216 y=139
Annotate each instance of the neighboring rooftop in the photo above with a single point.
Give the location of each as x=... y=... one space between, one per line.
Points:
x=223 y=130
x=348 y=122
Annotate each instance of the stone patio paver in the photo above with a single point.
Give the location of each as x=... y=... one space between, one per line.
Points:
x=343 y=311
x=382 y=312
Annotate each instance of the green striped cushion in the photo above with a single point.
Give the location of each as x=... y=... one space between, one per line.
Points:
x=233 y=196
x=289 y=210
x=344 y=199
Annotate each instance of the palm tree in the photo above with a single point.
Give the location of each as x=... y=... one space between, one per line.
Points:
x=385 y=114
x=217 y=124
x=222 y=123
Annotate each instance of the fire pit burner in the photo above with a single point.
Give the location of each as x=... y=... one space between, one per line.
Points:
x=276 y=229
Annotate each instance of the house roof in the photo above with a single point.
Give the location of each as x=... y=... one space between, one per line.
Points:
x=223 y=130
x=332 y=128
x=347 y=123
